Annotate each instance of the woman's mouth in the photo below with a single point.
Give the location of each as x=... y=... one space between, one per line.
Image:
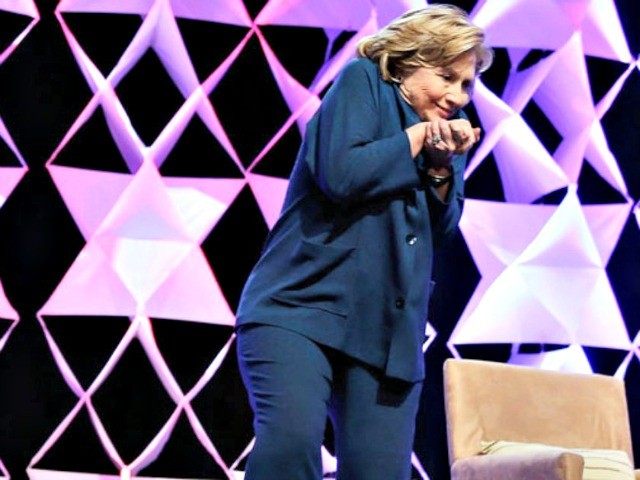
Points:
x=444 y=112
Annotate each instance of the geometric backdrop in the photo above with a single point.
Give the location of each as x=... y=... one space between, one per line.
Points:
x=159 y=167
x=12 y=164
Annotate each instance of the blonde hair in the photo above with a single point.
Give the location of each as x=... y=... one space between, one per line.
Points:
x=432 y=36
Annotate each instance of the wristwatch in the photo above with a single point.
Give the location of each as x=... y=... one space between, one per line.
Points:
x=439 y=180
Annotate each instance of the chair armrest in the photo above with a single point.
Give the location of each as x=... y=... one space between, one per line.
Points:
x=547 y=465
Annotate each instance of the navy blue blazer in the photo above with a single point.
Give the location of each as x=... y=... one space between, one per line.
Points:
x=349 y=261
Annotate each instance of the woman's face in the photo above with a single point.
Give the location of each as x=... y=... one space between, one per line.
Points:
x=439 y=92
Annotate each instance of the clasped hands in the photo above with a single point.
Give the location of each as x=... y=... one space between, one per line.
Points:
x=442 y=139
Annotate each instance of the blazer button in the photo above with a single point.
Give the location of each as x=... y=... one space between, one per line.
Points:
x=400 y=303
x=411 y=239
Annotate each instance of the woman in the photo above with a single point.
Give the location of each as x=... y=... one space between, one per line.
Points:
x=332 y=318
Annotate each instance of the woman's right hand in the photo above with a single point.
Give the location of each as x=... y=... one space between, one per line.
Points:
x=455 y=138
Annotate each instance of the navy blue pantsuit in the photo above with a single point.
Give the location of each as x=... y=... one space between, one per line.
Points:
x=332 y=317
x=296 y=383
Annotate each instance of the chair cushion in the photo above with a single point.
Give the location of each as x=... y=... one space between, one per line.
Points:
x=598 y=464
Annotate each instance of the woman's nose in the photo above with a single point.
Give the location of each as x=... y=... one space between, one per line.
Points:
x=457 y=97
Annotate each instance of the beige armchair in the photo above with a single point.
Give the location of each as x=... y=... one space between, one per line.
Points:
x=488 y=401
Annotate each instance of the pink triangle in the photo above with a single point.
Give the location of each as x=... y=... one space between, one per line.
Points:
x=6 y=310
x=606 y=223
x=270 y=193
x=9 y=178
x=89 y=195
x=502 y=311
x=22 y=7
x=143 y=264
x=90 y=287
x=224 y=190
x=565 y=240
x=570 y=154
x=565 y=94
x=312 y=13
x=191 y=293
x=599 y=155
x=144 y=210
x=602 y=32
x=522 y=85
x=201 y=202
x=491 y=109
x=526 y=168
x=221 y=11
x=483 y=226
x=6 y=136
x=172 y=52
x=534 y=297
x=105 y=6
x=517 y=23
x=582 y=300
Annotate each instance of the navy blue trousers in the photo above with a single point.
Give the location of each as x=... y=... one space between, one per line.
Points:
x=294 y=383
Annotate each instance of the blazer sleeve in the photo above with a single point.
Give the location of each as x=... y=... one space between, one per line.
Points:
x=445 y=215
x=348 y=160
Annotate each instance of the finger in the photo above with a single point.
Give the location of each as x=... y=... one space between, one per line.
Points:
x=433 y=139
x=473 y=138
x=460 y=134
x=464 y=127
x=426 y=140
x=464 y=147
x=447 y=137
x=435 y=146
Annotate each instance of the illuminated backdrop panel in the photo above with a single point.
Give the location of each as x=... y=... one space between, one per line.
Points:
x=174 y=166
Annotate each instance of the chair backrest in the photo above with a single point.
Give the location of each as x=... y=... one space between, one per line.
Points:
x=493 y=401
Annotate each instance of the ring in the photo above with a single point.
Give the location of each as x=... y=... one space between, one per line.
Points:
x=436 y=140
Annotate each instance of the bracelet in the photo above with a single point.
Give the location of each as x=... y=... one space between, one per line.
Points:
x=438 y=180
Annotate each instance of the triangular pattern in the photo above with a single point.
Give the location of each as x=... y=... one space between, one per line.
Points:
x=270 y=193
x=517 y=24
x=571 y=31
x=328 y=14
x=10 y=176
x=526 y=169
x=552 y=270
x=143 y=231
x=22 y=7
